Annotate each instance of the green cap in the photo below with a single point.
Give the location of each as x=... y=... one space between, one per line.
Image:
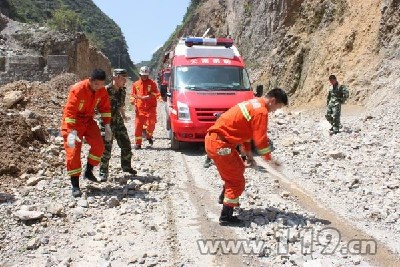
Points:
x=121 y=72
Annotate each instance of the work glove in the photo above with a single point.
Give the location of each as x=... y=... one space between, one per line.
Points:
x=72 y=138
x=108 y=133
x=250 y=162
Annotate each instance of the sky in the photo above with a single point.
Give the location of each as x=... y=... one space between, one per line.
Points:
x=147 y=24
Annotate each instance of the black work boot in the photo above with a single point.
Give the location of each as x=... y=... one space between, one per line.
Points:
x=207 y=163
x=76 y=191
x=150 y=140
x=89 y=173
x=221 y=196
x=227 y=218
x=333 y=131
x=130 y=170
x=103 y=175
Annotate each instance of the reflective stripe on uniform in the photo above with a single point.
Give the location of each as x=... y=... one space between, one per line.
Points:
x=93 y=157
x=81 y=105
x=138 y=137
x=106 y=115
x=70 y=120
x=76 y=171
x=264 y=151
x=245 y=112
x=232 y=201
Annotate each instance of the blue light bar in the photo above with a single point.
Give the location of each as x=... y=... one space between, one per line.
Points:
x=191 y=41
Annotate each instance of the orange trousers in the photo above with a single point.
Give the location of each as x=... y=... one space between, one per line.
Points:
x=147 y=118
x=92 y=135
x=230 y=167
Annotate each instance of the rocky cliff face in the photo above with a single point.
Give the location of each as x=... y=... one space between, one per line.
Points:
x=297 y=44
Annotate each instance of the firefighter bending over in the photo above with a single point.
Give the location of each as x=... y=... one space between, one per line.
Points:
x=238 y=126
x=78 y=122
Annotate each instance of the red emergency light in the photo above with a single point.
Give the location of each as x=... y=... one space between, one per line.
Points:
x=191 y=41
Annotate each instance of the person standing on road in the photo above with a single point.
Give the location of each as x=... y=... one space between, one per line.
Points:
x=337 y=95
x=144 y=97
x=78 y=122
x=117 y=93
x=240 y=125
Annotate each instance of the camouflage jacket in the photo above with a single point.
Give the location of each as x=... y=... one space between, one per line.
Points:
x=337 y=94
x=117 y=100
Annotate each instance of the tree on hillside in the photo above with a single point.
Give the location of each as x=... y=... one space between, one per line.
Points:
x=66 y=20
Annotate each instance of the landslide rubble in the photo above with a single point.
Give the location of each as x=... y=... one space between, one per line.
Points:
x=30 y=114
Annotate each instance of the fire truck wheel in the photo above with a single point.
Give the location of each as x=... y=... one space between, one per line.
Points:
x=168 y=124
x=175 y=144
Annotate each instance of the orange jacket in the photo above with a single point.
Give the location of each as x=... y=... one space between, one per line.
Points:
x=145 y=88
x=245 y=122
x=81 y=105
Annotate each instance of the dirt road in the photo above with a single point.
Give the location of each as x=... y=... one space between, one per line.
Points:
x=165 y=216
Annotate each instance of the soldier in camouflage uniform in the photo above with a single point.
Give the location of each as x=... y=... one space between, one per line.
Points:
x=337 y=95
x=117 y=93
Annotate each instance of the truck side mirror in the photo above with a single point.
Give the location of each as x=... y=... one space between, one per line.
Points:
x=259 y=90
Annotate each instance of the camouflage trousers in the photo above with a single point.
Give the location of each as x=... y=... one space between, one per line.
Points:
x=333 y=115
x=120 y=134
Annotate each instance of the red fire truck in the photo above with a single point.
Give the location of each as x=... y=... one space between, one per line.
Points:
x=208 y=76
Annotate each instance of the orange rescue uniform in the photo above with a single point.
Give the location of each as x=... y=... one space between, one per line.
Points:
x=79 y=115
x=238 y=126
x=145 y=109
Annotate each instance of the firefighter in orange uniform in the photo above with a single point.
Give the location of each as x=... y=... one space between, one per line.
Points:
x=240 y=125
x=77 y=122
x=144 y=97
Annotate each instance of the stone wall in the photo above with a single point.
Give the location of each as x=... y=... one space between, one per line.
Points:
x=42 y=53
x=83 y=57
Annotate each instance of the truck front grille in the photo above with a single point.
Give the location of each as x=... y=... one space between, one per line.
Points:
x=208 y=114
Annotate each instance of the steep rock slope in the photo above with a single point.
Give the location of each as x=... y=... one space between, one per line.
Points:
x=296 y=44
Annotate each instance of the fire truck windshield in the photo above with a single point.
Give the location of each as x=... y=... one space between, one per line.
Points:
x=211 y=78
